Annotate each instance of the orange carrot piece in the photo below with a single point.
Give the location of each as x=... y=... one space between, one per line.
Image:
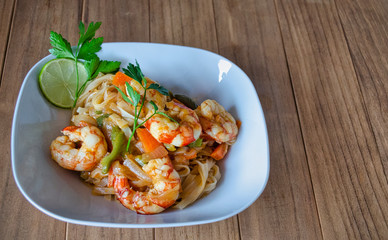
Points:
x=158 y=152
x=148 y=141
x=220 y=151
x=120 y=78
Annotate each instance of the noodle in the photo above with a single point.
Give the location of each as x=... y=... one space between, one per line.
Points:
x=198 y=171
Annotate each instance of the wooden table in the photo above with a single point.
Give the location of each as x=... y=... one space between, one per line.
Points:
x=320 y=68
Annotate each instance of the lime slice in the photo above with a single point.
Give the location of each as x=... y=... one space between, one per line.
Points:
x=58 y=81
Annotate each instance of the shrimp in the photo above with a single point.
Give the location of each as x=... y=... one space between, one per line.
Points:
x=161 y=194
x=93 y=148
x=179 y=134
x=216 y=122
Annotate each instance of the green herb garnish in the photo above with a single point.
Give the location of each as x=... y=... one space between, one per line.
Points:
x=133 y=97
x=85 y=50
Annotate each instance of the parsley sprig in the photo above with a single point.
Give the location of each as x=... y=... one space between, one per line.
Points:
x=86 y=50
x=133 y=97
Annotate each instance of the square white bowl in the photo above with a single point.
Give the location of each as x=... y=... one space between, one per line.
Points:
x=196 y=73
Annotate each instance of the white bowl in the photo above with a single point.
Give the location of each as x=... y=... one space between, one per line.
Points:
x=194 y=72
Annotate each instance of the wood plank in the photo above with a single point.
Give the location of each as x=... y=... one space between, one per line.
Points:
x=248 y=34
x=29 y=42
x=345 y=164
x=122 y=21
x=86 y=232
x=189 y=23
x=364 y=23
x=6 y=12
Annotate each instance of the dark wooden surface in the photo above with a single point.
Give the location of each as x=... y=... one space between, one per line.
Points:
x=320 y=68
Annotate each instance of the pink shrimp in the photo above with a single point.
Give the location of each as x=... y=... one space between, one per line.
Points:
x=179 y=134
x=217 y=122
x=67 y=155
x=161 y=194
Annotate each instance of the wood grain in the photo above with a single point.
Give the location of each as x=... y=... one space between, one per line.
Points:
x=122 y=21
x=366 y=35
x=345 y=164
x=188 y=23
x=183 y=23
x=248 y=34
x=6 y=13
x=79 y=232
x=28 y=43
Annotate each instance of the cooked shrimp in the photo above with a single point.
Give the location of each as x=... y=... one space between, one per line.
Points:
x=217 y=122
x=179 y=134
x=152 y=95
x=161 y=194
x=93 y=148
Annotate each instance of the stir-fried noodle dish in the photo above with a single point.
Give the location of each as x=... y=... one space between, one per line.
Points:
x=134 y=141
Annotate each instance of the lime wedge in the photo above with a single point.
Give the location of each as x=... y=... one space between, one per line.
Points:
x=58 y=81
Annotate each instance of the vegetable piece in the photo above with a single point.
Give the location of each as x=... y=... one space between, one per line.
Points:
x=170 y=147
x=148 y=141
x=57 y=81
x=135 y=168
x=100 y=119
x=220 y=151
x=135 y=73
x=196 y=143
x=186 y=101
x=159 y=152
x=86 y=50
x=117 y=139
x=120 y=79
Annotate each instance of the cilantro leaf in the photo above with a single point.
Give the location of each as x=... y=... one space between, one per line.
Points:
x=159 y=88
x=106 y=67
x=61 y=47
x=89 y=33
x=88 y=49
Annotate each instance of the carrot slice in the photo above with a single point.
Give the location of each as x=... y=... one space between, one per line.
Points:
x=220 y=151
x=120 y=78
x=148 y=141
x=158 y=152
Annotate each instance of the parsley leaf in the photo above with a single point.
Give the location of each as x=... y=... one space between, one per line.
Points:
x=159 y=88
x=124 y=96
x=135 y=96
x=106 y=67
x=88 y=49
x=61 y=47
x=89 y=33
x=135 y=72
x=91 y=66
